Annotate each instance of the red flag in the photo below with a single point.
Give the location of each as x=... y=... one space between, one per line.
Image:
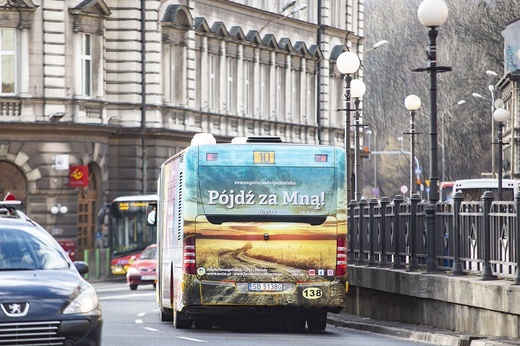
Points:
x=78 y=176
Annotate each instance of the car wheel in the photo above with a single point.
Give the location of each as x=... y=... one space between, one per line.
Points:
x=133 y=287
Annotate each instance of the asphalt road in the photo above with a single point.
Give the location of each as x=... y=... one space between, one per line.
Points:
x=132 y=318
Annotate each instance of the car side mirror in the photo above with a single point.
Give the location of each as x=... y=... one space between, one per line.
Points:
x=82 y=267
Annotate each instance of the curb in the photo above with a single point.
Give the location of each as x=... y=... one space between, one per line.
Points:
x=414 y=335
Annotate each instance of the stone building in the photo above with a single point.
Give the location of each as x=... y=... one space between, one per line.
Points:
x=120 y=86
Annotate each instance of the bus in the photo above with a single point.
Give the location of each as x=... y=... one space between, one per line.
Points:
x=124 y=228
x=253 y=227
x=473 y=189
x=446 y=190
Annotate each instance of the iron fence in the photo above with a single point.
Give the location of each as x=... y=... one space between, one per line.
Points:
x=470 y=237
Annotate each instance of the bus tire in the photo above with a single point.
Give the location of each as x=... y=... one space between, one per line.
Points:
x=181 y=321
x=317 y=322
x=166 y=314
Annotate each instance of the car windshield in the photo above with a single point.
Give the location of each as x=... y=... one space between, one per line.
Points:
x=149 y=253
x=24 y=250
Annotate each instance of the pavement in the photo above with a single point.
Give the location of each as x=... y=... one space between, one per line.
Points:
x=417 y=333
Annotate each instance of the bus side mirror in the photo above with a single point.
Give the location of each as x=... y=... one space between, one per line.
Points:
x=151 y=214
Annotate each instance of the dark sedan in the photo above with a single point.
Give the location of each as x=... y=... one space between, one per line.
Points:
x=43 y=298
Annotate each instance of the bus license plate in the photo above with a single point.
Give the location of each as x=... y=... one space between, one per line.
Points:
x=265 y=287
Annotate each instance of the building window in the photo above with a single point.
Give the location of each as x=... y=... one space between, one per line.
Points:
x=246 y=87
x=86 y=64
x=177 y=59
x=231 y=88
x=8 y=66
x=211 y=82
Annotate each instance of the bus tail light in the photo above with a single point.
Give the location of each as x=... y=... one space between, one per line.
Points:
x=188 y=264
x=341 y=257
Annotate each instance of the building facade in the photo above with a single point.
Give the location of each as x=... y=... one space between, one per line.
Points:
x=115 y=87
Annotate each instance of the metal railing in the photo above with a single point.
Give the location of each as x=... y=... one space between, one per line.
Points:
x=470 y=237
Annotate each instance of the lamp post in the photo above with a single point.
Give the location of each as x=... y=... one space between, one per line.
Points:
x=348 y=63
x=432 y=14
x=492 y=90
x=412 y=103
x=358 y=89
x=500 y=116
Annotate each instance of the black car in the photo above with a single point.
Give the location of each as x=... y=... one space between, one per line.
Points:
x=43 y=298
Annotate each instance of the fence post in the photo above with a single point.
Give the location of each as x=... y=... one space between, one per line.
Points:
x=351 y=230
x=458 y=197
x=385 y=201
x=517 y=243
x=372 y=258
x=487 y=273
x=431 y=263
x=414 y=200
x=398 y=199
x=361 y=224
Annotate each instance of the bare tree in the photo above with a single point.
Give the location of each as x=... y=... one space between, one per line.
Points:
x=470 y=42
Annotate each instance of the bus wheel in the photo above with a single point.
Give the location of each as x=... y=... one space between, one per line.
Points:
x=180 y=320
x=203 y=323
x=133 y=287
x=166 y=314
x=317 y=322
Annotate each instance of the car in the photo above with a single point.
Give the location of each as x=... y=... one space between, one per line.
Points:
x=143 y=270
x=44 y=299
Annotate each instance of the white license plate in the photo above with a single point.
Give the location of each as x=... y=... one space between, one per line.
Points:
x=148 y=277
x=265 y=287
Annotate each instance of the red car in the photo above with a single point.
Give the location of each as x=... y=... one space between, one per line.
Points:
x=143 y=270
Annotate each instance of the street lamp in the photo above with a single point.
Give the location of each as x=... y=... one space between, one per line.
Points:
x=500 y=116
x=376 y=45
x=492 y=90
x=412 y=103
x=358 y=89
x=432 y=14
x=443 y=135
x=348 y=63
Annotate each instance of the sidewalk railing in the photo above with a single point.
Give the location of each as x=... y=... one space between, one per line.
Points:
x=470 y=237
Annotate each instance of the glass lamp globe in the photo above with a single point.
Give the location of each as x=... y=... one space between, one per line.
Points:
x=357 y=88
x=500 y=115
x=348 y=63
x=432 y=13
x=412 y=102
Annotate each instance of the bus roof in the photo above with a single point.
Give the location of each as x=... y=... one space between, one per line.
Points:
x=484 y=183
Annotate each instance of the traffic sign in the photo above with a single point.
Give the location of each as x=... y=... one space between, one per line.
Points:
x=404 y=189
x=418 y=170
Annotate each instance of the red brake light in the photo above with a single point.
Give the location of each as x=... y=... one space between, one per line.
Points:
x=341 y=257
x=188 y=263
